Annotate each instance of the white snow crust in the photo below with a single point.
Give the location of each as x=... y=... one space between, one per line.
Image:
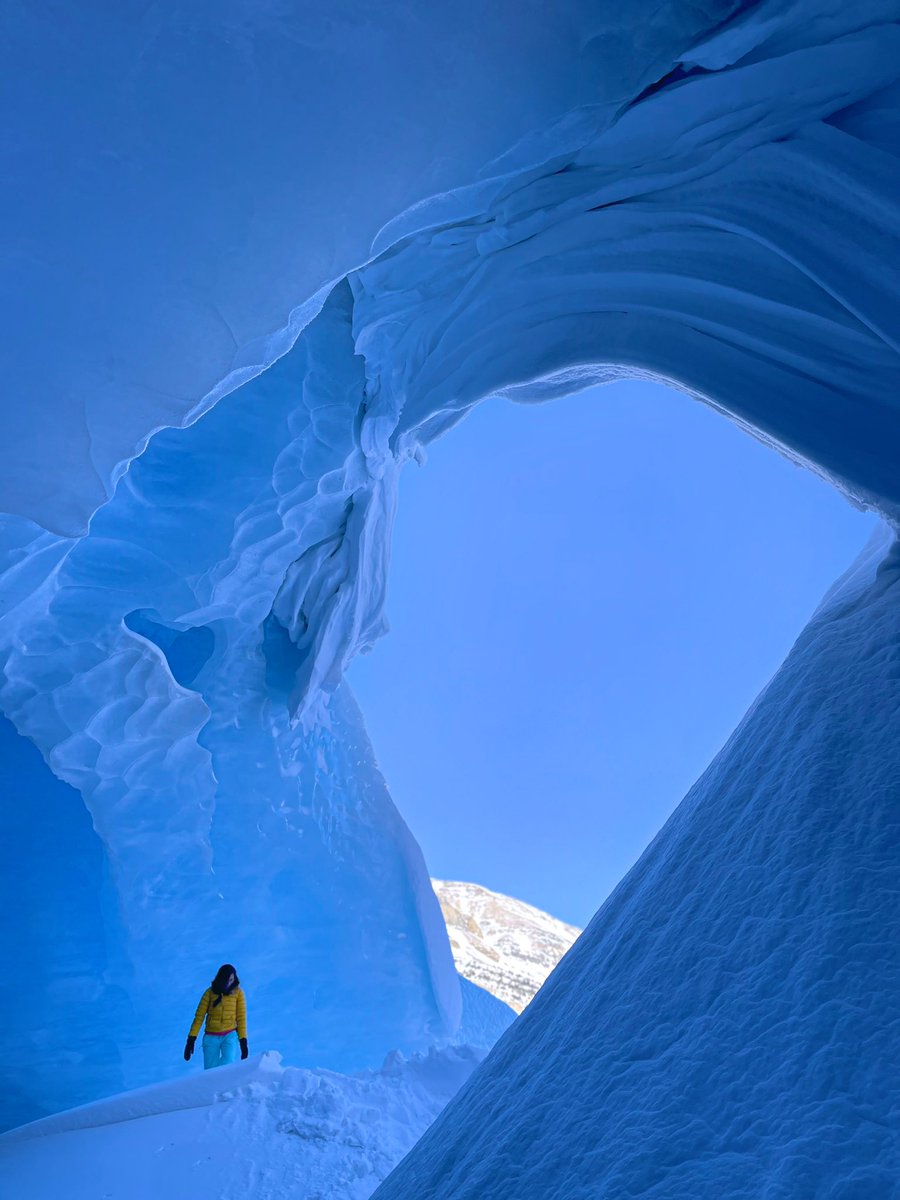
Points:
x=252 y=1129
x=215 y=269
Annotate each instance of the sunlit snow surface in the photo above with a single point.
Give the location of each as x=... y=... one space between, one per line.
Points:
x=253 y=1129
x=720 y=210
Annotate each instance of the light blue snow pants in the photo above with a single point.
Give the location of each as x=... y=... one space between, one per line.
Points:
x=217 y=1051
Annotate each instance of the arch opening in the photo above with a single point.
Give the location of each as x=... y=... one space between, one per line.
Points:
x=585 y=598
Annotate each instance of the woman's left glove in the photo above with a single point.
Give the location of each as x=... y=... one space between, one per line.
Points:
x=244 y=1048
x=189 y=1048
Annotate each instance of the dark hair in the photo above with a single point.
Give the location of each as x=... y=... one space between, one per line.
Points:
x=221 y=986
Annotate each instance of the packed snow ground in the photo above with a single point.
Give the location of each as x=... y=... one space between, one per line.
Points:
x=503 y=945
x=255 y=1129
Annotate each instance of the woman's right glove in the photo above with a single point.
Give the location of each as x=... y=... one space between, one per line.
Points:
x=189 y=1048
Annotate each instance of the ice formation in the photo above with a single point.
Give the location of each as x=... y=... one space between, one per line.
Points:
x=187 y=176
x=704 y=194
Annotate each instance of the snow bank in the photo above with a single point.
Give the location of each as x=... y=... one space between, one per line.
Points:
x=254 y=1128
x=196 y=1090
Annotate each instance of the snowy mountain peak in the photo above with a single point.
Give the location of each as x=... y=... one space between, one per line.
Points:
x=505 y=946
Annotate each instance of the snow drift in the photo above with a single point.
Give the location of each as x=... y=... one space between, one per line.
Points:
x=709 y=197
x=254 y=1128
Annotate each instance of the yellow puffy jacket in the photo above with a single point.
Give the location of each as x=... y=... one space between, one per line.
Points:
x=230 y=1013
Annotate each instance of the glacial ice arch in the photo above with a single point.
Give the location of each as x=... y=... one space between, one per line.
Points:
x=730 y=281
x=676 y=230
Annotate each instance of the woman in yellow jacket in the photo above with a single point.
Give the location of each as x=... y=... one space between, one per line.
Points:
x=225 y=1009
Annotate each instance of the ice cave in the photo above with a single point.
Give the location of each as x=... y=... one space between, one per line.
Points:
x=260 y=255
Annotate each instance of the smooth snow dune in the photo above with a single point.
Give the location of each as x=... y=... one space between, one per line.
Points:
x=728 y=1026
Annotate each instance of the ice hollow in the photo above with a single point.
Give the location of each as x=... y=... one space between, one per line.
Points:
x=274 y=303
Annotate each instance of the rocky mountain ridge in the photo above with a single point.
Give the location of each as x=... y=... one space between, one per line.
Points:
x=501 y=944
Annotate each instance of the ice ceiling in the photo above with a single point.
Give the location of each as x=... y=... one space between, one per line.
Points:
x=261 y=255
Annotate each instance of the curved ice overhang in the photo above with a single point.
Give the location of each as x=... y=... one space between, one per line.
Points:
x=734 y=232
x=732 y=227
x=183 y=177
x=181 y=181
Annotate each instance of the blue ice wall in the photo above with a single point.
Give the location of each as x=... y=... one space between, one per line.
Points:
x=159 y=671
x=61 y=942
x=182 y=177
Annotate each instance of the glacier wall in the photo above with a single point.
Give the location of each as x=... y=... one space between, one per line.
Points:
x=226 y=400
x=154 y=665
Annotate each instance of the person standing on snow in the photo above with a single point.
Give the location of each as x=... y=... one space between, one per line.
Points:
x=225 y=1008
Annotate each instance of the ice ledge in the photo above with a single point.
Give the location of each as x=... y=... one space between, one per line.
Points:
x=197 y=1090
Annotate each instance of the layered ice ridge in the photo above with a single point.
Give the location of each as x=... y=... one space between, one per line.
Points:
x=684 y=238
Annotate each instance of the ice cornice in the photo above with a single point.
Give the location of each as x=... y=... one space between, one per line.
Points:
x=660 y=246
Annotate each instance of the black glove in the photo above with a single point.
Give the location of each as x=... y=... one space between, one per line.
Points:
x=189 y=1048
x=244 y=1048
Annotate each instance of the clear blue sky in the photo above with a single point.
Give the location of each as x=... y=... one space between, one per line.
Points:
x=585 y=597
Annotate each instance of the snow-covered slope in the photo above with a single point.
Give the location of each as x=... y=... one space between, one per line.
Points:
x=728 y=1025
x=255 y=1129
x=505 y=946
